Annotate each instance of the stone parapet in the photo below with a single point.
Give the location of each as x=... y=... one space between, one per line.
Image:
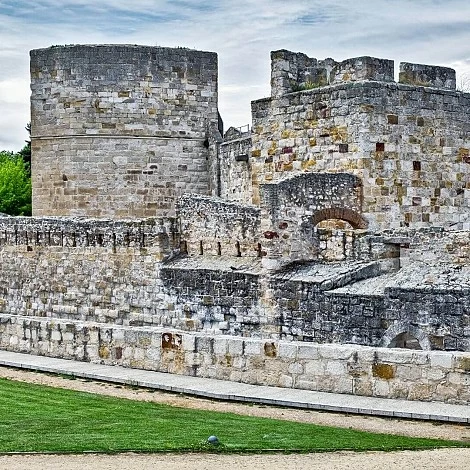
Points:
x=427 y=75
x=349 y=369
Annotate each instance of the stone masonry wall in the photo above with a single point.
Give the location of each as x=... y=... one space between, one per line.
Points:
x=87 y=270
x=235 y=169
x=216 y=300
x=292 y=71
x=389 y=373
x=290 y=210
x=409 y=144
x=213 y=226
x=120 y=131
x=126 y=273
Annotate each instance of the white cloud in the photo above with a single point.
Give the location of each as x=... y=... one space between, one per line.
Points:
x=242 y=33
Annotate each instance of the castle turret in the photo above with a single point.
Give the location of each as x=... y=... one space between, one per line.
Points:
x=120 y=130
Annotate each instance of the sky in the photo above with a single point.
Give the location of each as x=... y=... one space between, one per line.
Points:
x=242 y=32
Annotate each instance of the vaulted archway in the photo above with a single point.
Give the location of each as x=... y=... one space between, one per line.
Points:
x=356 y=220
x=404 y=335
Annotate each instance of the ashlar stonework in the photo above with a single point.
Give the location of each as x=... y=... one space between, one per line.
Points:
x=325 y=248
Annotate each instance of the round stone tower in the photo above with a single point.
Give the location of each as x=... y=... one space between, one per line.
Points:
x=120 y=130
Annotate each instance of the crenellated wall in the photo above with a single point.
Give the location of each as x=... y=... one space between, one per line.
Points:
x=120 y=292
x=84 y=269
x=409 y=143
x=213 y=226
x=132 y=273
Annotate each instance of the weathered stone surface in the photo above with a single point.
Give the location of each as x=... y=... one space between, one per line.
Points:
x=328 y=223
x=120 y=131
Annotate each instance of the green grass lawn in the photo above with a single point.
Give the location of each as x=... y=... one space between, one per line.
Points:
x=44 y=419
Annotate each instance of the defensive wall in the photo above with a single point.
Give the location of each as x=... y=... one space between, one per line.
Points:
x=408 y=141
x=114 y=292
x=324 y=249
x=132 y=273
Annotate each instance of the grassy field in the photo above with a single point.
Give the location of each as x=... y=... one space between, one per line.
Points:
x=43 y=419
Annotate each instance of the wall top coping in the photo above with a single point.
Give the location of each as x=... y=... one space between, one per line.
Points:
x=364 y=84
x=153 y=224
x=117 y=48
x=186 y=199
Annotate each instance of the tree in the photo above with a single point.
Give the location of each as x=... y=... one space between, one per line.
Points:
x=25 y=152
x=15 y=185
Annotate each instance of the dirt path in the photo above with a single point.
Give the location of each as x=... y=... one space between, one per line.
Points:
x=443 y=458
x=455 y=459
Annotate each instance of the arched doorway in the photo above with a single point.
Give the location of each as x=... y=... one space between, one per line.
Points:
x=405 y=341
x=353 y=218
x=334 y=228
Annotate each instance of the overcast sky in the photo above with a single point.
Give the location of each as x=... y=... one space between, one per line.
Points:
x=242 y=32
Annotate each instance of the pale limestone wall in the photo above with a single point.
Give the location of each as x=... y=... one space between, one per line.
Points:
x=358 y=370
x=409 y=144
x=213 y=226
x=235 y=168
x=127 y=273
x=88 y=270
x=120 y=131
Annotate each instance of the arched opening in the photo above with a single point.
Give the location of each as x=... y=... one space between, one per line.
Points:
x=405 y=341
x=335 y=231
x=353 y=218
x=334 y=224
x=403 y=335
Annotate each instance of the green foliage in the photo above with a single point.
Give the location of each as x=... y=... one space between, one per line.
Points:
x=44 y=419
x=15 y=185
x=25 y=152
x=308 y=85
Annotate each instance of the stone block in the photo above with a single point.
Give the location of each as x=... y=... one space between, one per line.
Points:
x=252 y=346
x=308 y=351
x=220 y=346
x=235 y=346
x=443 y=360
x=287 y=350
x=336 y=351
x=336 y=367
x=314 y=368
x=295 y=368
x=381 y=388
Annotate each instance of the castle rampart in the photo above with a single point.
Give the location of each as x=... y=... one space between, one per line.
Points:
x=235 y=166
x=120 y=131
x=332 y=221
x=409 y=144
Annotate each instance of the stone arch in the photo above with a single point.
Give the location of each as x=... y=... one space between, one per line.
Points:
x=400 y=328
x=356 y=220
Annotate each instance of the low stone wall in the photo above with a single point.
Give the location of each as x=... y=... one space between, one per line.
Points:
x=350 y=369
x=213 y=226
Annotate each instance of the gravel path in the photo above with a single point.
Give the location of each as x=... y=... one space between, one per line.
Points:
x=443 y=458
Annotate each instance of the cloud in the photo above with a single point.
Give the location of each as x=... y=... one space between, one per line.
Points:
x=242 y=33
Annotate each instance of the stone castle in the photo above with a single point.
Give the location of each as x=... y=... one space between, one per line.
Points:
x=327 y=248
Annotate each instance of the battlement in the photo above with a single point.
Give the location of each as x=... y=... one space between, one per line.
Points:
x=155 y=235
x=295 y=71
x=427 y=75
